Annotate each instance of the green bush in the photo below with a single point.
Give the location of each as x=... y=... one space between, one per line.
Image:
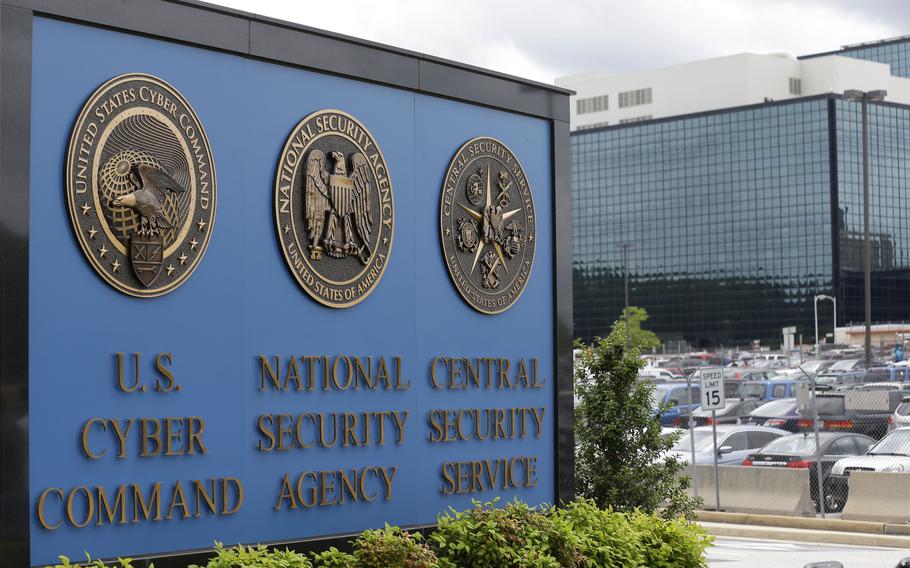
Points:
x=621 y=458
x=392 y=547
x=578 y=535
x=255 y=557
x=670 y=543
x=488 y=537
x=89 y=563
x=334 y=558
x=603 y=537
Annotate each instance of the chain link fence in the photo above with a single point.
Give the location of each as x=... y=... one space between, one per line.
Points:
x=822 y=446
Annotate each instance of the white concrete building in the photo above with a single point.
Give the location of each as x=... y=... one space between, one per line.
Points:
x=722 y=82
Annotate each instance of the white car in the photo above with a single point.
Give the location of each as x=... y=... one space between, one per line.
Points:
x=891 y=455
x=901 y=416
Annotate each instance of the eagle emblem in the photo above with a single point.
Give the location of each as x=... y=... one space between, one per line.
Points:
x=152 y=185
x=142 y=194
x=334 y=208
x=337 y=207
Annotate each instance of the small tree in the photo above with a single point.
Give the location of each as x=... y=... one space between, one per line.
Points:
x=620 y=454
x=641 y=338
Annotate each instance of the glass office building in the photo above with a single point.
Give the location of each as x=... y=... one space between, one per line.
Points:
x=737 y=218
x=894 y=52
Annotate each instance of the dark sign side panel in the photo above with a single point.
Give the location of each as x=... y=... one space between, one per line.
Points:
x=241 y=303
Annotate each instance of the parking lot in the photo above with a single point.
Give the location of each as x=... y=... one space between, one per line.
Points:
x=787 y=426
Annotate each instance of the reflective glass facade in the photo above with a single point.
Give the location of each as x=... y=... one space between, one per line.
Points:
x=895 y=53
x=889 y=211
x=735 y=222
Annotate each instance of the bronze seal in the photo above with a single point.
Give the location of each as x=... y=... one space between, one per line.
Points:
x=334 y=208
x=140 y=185
x=487 y=225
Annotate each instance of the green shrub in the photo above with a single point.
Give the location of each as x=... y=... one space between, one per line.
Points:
x=602 y=537
x=621 y=458
x=255 y=557
x=334 y=558
x=392 y=547
x=89 y=563
x=670 y=543
x=488 y=537
x=578 y=535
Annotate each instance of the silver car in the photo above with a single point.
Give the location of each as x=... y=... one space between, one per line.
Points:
x=734 y=443
x=901 y=416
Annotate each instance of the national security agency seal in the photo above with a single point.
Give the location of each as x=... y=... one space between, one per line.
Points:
x=140 y=185
x=334 y=208
x=487 y=225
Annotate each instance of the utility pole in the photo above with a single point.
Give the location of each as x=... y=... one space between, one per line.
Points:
x=865 y=98
x=625 y=269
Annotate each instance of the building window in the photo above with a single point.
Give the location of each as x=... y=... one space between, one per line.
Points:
x=635 y=98
x=796 y=86
x=635 y=119
x=592 y=104
x=590 y=126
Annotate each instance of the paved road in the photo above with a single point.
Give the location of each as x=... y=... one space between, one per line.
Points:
x=748 y=553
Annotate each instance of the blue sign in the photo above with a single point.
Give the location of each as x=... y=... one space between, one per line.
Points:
x=235 y=407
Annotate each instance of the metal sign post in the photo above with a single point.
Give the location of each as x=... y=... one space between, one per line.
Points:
x=716 y=471
x=713 y=398
x=692 y=438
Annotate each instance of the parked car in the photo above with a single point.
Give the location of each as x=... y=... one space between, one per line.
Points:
x=890 y=386
x=817 y=366
x=731 y=413
x=783 y=414
x=853 y=411
x=891 y=455
x=659 y=373
x=840 y=381
x=676 y=397
x=767 y=390
x=886 y=374
x=901 y=416
x=734 y=443
x=799 y=451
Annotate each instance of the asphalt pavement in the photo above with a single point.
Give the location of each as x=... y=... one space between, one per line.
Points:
x=730 y=552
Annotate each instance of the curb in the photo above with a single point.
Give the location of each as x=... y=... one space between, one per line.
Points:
x=806 y=535
x=805 y=523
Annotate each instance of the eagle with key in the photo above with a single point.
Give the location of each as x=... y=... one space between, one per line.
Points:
x=336 y=206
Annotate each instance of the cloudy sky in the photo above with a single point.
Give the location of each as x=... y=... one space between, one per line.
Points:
x=544 y=39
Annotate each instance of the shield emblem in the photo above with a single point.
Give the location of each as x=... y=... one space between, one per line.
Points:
x=342 y=187
x=146 y=256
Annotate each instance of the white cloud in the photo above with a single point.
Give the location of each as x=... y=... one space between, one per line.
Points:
x=543 y=39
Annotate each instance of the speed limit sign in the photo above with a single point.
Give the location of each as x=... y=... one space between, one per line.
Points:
x=712 y=389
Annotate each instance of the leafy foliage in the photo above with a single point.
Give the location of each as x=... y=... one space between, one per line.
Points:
x=579 y=535
x=255 y=557
x=602 y=537
x=673 y=543
x=393 y=547
x=334 y=558
x=641 y=338
x=620 y=458
x=89 y=563
x=489 y=537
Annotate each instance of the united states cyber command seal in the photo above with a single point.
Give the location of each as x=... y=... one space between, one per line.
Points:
x=140 y=185
x=334 y=208
x=487 y=225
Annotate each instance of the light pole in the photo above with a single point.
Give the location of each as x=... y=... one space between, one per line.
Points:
x=834 y=301
x=625 y=270
x=865 y=97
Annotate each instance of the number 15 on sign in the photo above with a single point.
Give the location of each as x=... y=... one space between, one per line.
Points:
x=712 y=389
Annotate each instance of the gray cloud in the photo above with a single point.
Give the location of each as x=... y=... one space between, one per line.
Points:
x=543 y=39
